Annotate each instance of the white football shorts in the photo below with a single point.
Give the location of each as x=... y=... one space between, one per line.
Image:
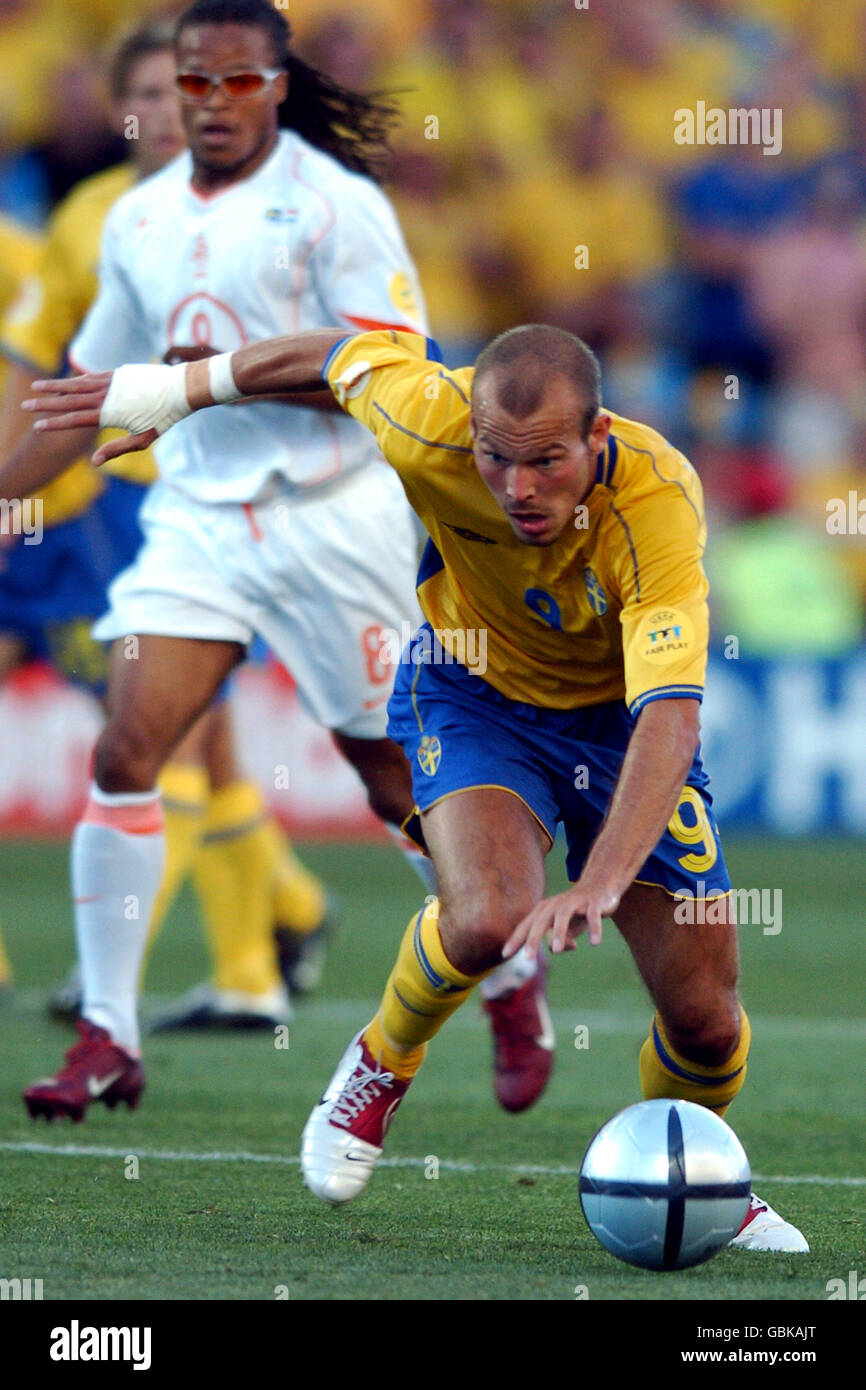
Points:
x=325 y=579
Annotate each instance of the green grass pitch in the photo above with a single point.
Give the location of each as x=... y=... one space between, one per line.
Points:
x=218 y=1210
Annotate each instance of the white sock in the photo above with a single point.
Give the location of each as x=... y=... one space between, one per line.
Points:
x=508 y=976
x=118 y=859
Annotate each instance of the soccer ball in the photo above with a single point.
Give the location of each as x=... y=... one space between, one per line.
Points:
x=665 y=1184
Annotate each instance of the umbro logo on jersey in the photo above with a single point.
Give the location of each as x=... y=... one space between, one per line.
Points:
x=282 y=214
x=469 y=535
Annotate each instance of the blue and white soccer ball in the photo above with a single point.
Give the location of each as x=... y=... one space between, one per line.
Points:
x=665 y=1184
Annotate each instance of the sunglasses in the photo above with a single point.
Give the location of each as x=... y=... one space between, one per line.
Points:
x=237 y=86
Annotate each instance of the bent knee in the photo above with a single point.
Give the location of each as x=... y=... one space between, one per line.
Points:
x=707 y=1036
x=475 y=931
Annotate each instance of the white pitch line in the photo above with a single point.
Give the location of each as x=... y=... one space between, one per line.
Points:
x=605 y=1022
x=291 y=1161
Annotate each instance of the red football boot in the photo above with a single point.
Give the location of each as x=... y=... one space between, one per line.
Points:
x=96 y=1069
x=523 y=1042
x=343 y=1137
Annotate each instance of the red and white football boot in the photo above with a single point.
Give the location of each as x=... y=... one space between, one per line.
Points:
x=96 y=1069
x=765 y=1229
x=343 y=1137
x=523 y=1042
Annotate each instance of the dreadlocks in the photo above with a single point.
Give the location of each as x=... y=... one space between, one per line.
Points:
x=353 y=127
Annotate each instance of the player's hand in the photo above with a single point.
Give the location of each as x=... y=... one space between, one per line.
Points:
x=70 y=402
x=76 y=403
x=562 y=920
x=146 y=400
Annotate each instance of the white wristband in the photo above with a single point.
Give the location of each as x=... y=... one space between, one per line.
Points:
x=144 y=398
x=221 y=383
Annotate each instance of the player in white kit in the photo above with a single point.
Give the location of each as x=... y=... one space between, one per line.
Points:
x=274 y=519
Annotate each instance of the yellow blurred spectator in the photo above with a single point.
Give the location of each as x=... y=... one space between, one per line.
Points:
x=656 y=64
x=36 y=37
x=398 y=22
x=462 y=90
x=584 y=223
x=456 y=255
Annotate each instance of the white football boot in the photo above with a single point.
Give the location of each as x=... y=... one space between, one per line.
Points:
x=343 y=1137
x=765 y=1229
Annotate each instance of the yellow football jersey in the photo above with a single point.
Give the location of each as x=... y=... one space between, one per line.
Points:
x=615 y=608
x=20 y=256
x=55 y=302
x=20 y=248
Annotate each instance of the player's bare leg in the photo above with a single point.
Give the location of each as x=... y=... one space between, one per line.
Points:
x=690 y=971
x=158 y=687
x=699 y=1041
x=382 y=767
x=489 y=851
x=513 y=992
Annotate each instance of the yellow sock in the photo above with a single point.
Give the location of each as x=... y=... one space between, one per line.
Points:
x=185 y=793
x=299 y=899
x=424 y=990
x=5 y=967
x=665 y=1073
x=233 y=876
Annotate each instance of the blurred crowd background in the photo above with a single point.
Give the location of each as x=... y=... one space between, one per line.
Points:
x=725 y=289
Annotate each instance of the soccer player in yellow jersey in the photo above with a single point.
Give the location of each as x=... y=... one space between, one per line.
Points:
x=557 y=679
x=245 y=873
x=19 y=256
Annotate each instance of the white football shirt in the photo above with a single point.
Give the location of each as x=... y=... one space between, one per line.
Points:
x=302 y=244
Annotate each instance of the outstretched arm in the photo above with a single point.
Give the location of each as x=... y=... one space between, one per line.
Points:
x=148 y=400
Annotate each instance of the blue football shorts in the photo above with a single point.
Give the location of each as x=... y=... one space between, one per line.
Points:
x=458 y=732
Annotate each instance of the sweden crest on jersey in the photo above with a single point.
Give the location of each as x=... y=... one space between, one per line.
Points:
x=595 y=593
